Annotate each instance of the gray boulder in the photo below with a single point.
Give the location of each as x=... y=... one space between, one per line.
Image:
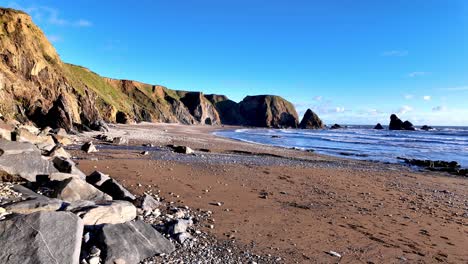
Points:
x=41 y=238
x=132 y=242
x=66 y=165
x=110 y=186
x=12 y=147
x=111 y=212
x=74 y=189
x=23 y=161
x=147 y=203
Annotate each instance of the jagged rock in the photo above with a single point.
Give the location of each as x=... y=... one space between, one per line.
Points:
x=336 y=126
x=34 y=205
x=59 y=116
x=120 y=141
x=268 y=111
x=24 y=135
x=88 y=147
x=407 y=125
x=23 y=160
x=71 y=188
x=181 y=149
x=201 y=108
x=66 y=165
x=311 y=121
x=41 y=238
x=110 y=186
x=229 y=111
x=378 y=126
x=99 y=125
x=397 y=124
x=132 y=242
x=426 y=128
x=147 y=203
x=110 y=212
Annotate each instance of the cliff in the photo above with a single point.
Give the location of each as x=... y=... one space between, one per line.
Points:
x=36 y=86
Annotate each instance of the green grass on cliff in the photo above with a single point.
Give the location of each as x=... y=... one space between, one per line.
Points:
x=82 y=77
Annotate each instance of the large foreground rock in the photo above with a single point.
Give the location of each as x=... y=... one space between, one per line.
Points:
x=311 y=121
x=34 y=205
x=41 y=238
x=110 y=186
x=111 y=212
x=132 y=242
x=71 y=188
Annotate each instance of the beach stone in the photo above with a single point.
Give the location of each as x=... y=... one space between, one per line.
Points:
x=26 y=165
x=179 y=226
x=41 y=238
x=111 y=212
x=27 y=193
x=74 y=189
x=336 y=126
x=378 y=126
x=132 y=242
x=24 y=135
x=34 y=205
x=182 y=149
x=88 y=147
x=110 y=186
x=182 y=237
x=13 y=148
x=66 y=165
x=120 y=141
x=147 y=203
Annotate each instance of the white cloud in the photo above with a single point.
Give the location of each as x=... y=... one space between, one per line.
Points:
x=439 y=109
x=409 y=96
x=395 y=53
x=83 y=23
x=427 y=98
x=405 y=109
x=318 y=98
x=459 y=88
x=417 y=74
x=339 y=109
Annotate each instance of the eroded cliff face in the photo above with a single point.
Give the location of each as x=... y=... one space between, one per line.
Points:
x=35 y=85
x=268 y=111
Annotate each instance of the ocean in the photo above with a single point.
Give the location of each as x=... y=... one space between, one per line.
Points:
x=365 y=143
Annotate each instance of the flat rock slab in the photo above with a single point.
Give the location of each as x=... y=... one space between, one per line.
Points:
x=73 y=189
x=132 y=242
x=34 y=205
x=41 y=238
x=12 y=147
x=112 y=212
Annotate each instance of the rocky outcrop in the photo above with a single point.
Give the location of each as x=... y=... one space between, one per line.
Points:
x=268 y=111
x=336 y=126
x=311 y=121
x=200 y=108
x=426 y=128
x=229 y=111
x=378 y=126
x=397 y=124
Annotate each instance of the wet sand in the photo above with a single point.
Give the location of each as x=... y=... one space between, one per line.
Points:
x=293 y=204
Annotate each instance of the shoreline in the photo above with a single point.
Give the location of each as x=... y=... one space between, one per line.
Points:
x=293 y=204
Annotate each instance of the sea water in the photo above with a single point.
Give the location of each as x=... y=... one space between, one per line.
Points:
x=365 y=143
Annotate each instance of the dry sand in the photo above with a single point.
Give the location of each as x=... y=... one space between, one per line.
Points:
x=294 y=204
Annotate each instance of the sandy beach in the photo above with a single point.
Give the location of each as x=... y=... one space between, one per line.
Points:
x=295 y=205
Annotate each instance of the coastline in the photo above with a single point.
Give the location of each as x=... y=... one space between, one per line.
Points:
x=293 y=204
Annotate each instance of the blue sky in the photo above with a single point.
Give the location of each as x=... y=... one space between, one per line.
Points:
x=351 y=61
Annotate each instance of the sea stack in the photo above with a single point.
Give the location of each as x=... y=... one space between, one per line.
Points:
x=378 y=126
x=397 y=124
x=311 y=121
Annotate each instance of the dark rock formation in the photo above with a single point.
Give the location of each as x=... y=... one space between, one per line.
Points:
x=122 y=118
x=268 y=111
x=229 y=111
x=200 y=108
x=311 y=121
x=336 y=126
x=426 y=128
x=407 y=125
x=378 y=126
x=451 y=167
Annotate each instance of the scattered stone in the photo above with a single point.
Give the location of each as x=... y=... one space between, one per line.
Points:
x=182 y=237
x=111 y=212
x=132 y=242
x=426 y=128
x=144 y=153
x=333 y=253
x=120 y=141
x=88 y=147
x=378 y=126
x=147 y=203
x=178 y=226
x=181 y=149
x=336 y=126
x=41 y=237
